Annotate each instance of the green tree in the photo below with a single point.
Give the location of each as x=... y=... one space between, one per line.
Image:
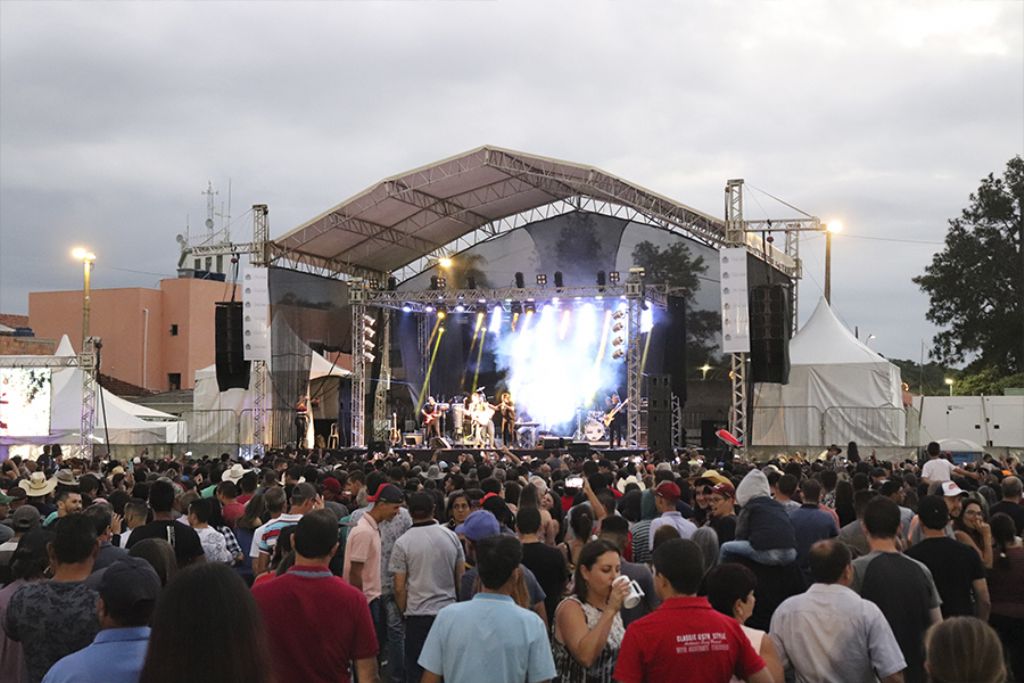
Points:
x=988 y=381
x=976 y=283
x=934 y=376
x=676 y=267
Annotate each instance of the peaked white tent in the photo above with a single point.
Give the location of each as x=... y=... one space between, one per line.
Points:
x=126 y=422
x=839 y=390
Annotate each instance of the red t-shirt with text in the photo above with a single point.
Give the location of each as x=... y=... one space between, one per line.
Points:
x=685 y=638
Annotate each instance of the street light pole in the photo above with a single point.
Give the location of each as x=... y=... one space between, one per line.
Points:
x=830 y=227
x=88 y=259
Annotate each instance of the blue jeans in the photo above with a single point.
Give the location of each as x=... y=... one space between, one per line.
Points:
x=394 y=628
x=776 y=557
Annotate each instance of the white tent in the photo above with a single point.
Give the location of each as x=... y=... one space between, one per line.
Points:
x=839 y=390
x=217 y=415
x=126 y=422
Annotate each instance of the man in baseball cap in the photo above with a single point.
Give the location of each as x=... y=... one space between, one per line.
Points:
x=483 y=524
x=666 y=496
x=723 y=511
x=128 y=590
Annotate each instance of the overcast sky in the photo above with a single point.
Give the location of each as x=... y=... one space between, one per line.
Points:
x=113 y=116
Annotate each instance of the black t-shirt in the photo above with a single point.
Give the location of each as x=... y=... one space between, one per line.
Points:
x=774 y=585
x=548 y=566
x=182 y=538
x=1015 y=510
x=905 y=592
x=954 y=566
x=725 y=527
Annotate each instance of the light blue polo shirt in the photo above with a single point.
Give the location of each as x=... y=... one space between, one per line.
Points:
x=115 y=656
x=488 y=638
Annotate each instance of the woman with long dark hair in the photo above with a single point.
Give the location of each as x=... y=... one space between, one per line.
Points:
x=1006 y=588
x=844 y=502
x=206 y=628
x=588 y=624
x=457 y=508
x=972 y=528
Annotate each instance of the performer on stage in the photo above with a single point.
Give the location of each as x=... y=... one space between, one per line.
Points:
x=482 y=414
x=431 y=420
x=507 y=410
x=618 y=425
x=301 y=421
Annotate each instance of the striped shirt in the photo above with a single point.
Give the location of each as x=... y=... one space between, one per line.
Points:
x=265 y=538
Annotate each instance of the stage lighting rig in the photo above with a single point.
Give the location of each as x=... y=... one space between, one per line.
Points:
x=613 y=277
x=542 y=279
x=559 y=283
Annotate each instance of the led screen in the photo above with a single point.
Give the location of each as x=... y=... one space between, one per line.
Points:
x=24 y=402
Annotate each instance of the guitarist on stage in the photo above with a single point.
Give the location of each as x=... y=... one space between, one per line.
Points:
x=507 y=410
x=618 y=420
x=431 y=420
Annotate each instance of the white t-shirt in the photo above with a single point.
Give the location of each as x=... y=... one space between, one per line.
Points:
x=938 y=469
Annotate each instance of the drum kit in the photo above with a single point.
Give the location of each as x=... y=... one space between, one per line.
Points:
x=593 y=427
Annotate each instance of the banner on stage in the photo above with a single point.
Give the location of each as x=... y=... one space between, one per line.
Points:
x=735 y=306
x=255 y=313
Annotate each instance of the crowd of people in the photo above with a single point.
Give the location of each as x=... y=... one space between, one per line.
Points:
x=498 y=568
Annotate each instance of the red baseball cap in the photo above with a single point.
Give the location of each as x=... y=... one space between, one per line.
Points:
x=331 y=484
x=669 y=490
x=725 y=489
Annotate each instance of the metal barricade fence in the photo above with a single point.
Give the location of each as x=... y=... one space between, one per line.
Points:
x=786 y=425
x=811 y=426
x=881 y=426
x=208 y=427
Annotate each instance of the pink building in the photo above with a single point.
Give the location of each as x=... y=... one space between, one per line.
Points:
x=152 y=338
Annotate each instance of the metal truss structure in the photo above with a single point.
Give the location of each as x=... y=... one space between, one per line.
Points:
x=259 y=369
x=357 y=299
x=678 y=433
x=88 y=364
x=634 y=357
x=420 y=300
x=735 y=236
x=86 y=361
x=380 y=394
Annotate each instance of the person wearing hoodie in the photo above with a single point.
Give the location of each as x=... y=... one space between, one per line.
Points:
x=764 y=532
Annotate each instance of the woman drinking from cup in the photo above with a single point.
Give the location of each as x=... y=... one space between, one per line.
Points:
x=588 y=627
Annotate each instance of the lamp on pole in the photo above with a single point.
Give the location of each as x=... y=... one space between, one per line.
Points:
x=950 y=382
x=88 y=259
x=830 y=228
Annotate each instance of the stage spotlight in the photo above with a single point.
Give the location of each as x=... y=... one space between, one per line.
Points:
x=613 y=277
x=517 y=307
x=369 y=357
x=618 y=326
x=619 y=314
x=406 y=308
x=600 y=278
x=558 y=279
x=542 y=279
x=433 y=282
x=442 y=282
x=369 y=320
x=520 y=280
x=369 y=345
x=459 y=308
x=428 y=309
x=618 y=341
x=618 y=353
x=441 y=313
x=444 y=262
x=530 y=308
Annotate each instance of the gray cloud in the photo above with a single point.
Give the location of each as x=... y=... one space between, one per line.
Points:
x=113 y=116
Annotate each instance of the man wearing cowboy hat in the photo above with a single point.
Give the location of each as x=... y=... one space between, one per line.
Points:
x=38 y=487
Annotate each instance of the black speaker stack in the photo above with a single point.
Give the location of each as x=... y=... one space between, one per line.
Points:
x=232 y=368
x=769 y=333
